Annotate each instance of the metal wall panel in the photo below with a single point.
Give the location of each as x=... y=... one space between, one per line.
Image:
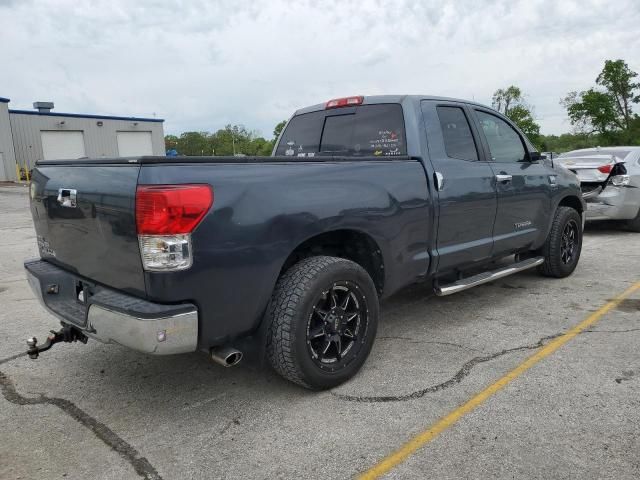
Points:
x=8 y=161
x=100 y=140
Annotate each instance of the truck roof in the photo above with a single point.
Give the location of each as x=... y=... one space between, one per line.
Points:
x=372 y=99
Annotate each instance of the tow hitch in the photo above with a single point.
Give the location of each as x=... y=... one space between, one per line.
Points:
x=66 y=334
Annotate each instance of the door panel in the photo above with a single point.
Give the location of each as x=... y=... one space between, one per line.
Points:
x=467 y=199
x=523 y=187
x=133 y=144
x=62 y=145
x=523 y=205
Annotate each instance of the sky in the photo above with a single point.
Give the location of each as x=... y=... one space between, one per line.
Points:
x=203 y=64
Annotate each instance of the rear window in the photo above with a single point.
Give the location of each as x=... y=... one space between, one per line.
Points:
x=367 y=130
x=458 y=140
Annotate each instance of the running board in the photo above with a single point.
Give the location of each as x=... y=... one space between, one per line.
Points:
x=485 y=277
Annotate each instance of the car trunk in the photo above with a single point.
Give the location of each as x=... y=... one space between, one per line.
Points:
x=589 y=169
x=593 y=171
x=84 y=216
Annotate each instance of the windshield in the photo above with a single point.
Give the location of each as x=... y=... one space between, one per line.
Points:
x=367 y=130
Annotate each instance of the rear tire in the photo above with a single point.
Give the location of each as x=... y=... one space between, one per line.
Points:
x=634 y=225
x=323 y=321
x=562 y=248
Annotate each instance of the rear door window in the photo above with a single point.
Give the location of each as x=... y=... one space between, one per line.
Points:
x=367 y=130
x=456 y=132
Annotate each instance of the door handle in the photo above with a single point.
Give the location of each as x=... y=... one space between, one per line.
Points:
x=67 y=197
x=438 y=179
x=504 y=178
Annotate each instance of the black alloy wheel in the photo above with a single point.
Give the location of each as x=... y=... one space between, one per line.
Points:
x=337 y=319
x=568 y=242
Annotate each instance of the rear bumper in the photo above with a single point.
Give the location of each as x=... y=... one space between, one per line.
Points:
x=110 y=316
x=614 y=203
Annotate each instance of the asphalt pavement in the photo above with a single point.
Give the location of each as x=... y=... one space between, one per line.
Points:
x=104 y=412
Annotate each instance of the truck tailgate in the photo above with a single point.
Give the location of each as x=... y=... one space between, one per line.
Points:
x=84 y=216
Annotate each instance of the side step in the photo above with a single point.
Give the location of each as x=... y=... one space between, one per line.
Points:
x=485 y=277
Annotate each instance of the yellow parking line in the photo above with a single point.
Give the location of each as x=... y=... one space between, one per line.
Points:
x=420 y=440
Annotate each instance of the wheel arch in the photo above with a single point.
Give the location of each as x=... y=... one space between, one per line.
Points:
x=573 y=202
x=348 y=243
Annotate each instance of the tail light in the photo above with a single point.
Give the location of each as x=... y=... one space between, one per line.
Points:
x=605 y=168
x=344 y=102
x=166 y=215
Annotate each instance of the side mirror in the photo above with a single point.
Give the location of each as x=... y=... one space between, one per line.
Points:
x=536 y=156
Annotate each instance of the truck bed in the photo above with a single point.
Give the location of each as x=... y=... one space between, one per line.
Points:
x=260 y=214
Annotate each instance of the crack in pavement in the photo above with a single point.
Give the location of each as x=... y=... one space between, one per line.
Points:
x=235 y=421
x=140 y=464
x=457 y=378
x=12 y=357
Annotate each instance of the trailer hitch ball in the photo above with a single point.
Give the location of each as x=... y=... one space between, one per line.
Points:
x=65 y=334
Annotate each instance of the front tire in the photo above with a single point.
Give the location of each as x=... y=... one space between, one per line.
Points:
x=323 y=321
x=562 y=248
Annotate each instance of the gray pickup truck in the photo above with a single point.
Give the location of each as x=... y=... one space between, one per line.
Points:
x=285 y=258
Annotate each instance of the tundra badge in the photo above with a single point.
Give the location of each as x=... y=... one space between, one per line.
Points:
x=524 y=224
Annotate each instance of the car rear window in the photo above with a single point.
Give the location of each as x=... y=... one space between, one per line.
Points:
x=367 y=130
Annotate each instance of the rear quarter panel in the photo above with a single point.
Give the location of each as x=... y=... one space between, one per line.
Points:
x=263 y=211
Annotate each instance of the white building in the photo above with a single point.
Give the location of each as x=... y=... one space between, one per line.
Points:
x=27 y=136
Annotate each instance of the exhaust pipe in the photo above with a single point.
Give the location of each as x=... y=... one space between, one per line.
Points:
x=226 y=356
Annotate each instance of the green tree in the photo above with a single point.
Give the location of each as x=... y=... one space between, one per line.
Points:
x=278 y=129
x=567 y=142
x=230 y=140
x=233 y=140
x=193 y=143
x=170 y=142
x=523 y=118
x=607 y=108
x=504 y=98
x=510 y=102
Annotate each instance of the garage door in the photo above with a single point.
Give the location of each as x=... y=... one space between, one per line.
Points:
x=133 y=144
x=58 y=145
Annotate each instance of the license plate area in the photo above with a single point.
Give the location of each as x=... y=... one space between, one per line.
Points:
x=67 y=296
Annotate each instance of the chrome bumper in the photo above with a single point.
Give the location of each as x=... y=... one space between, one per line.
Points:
x=157 y=335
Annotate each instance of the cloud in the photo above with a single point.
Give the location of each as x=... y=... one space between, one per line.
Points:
x=203 y=64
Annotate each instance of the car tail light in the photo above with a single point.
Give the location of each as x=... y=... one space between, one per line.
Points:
x=605 y=168
x=165 y=217
x=344 y=102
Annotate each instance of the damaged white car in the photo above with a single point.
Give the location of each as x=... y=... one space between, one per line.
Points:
x=610 y=182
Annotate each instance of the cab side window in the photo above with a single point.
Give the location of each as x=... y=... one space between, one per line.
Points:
x=458 y=140
x=505 y=145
